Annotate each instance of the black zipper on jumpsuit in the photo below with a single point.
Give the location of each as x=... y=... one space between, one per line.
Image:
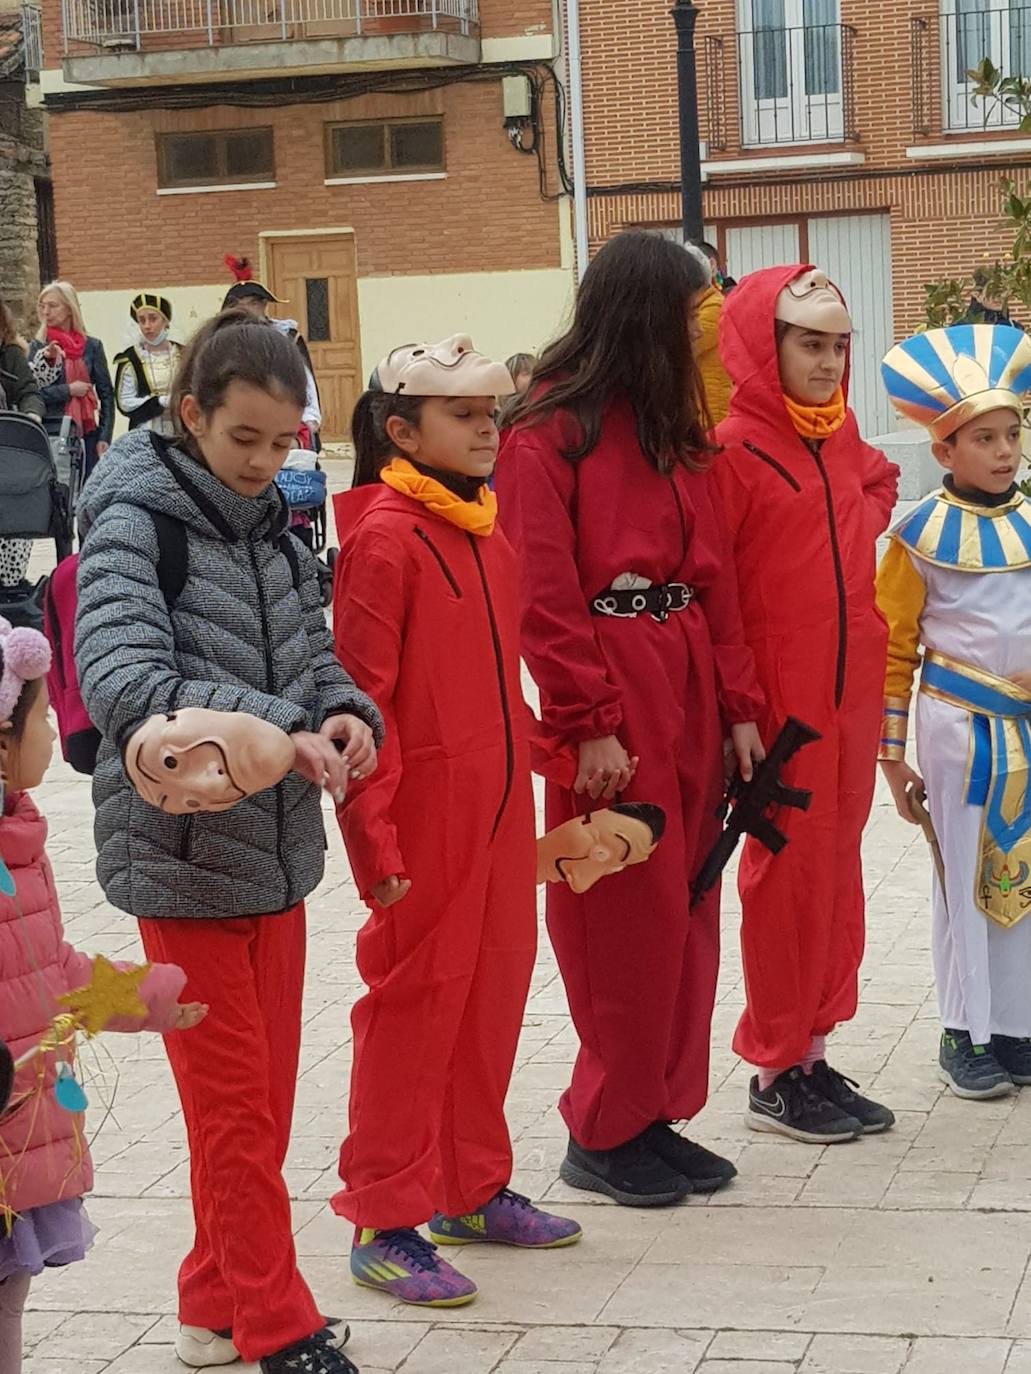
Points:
x=499 y=662
x=452 y=580
x=839 y=578
x=270 y=687
x=772 y=462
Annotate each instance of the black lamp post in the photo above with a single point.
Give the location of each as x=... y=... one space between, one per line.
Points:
x=685 y=16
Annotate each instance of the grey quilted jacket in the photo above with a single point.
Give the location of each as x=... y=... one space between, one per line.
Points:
x=240 y=636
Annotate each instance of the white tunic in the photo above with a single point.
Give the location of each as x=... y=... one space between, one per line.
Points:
x=983 y=970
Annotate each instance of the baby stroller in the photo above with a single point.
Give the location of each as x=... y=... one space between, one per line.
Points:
x=303 y=484
x=39 y=480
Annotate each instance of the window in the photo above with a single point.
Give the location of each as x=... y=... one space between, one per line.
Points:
x=972 y=30
x=316 y=298
x=791 y=71
x=399 y=147
x=216 y=158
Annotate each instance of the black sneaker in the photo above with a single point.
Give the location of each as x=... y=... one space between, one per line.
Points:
x=632 y=1173
x=704 y=1170
x=1014 y=1054
x=971 y=1070
x=312 y=1356
x=872 y=1116
x=792 y=1105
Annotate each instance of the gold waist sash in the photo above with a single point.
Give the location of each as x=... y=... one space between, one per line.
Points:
x=998 y=768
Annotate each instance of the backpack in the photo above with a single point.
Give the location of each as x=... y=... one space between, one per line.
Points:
x=80 y=738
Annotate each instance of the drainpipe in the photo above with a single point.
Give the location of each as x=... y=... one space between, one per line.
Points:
x=576 y=129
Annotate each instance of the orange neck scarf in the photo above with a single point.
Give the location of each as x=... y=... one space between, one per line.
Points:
x=817 y=422
x=475 y=517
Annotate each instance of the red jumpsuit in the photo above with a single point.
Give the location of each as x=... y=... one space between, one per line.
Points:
x=425 y=616
x=639 y=967
x=804 y=520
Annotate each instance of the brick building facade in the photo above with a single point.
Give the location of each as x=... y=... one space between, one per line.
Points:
x=378 y=134
x=831 y=130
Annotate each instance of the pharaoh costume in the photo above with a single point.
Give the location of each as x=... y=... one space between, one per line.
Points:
x=956 y=581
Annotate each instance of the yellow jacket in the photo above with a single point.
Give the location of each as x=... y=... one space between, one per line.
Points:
x=707 y=355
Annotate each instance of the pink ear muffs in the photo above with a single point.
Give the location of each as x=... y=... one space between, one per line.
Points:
x=24 y=657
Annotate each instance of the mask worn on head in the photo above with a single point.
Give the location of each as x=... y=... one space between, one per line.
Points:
x=810 y=302
x=201 y=760
x=587 y=848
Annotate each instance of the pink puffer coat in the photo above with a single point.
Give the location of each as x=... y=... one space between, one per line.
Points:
x=43 y=1154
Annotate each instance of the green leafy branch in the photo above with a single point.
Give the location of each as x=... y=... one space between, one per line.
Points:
x=1008 y=281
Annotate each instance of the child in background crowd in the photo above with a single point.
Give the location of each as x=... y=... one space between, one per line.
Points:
x=441 y=840
x=222 y=894
x=805 y=500
x=44 y=1159
x=956 y=579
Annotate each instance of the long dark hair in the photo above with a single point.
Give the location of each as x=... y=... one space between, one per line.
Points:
x=235 y=347
x=373 y=448
x=629 y=335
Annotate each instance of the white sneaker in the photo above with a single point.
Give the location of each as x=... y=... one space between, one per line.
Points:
x=200 y=1349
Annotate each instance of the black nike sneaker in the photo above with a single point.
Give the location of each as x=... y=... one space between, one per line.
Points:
x=792 y=1105
x=703 y=1169
x=871 y=1115
x=632 y=1174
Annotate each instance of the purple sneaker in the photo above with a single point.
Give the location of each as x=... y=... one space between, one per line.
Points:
x=404 y=1265
x=508 y=1219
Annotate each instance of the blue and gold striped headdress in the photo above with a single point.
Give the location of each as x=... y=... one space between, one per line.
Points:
x=947 y=377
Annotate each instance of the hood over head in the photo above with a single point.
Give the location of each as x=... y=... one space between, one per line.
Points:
x=141 y=469
x=748 y=342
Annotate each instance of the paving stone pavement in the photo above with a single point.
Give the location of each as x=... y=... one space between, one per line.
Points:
x=903 y=1252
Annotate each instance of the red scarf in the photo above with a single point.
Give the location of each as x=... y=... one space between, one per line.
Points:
x=82 y=409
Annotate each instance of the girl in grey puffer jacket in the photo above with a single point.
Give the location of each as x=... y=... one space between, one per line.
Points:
x=222 y=895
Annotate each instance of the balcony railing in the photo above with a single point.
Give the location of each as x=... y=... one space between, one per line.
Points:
x=157 y=24
x=946 y=47
x=781 y=85
x=32 y=37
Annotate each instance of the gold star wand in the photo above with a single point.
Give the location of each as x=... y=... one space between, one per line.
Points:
x=91 y=1008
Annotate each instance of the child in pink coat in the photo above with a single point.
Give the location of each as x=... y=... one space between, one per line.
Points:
x=44 y=1161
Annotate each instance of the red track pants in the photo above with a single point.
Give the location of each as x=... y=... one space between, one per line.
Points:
x=448 y=970
x=803 y=921
x=236 y=1073
x=639 y=965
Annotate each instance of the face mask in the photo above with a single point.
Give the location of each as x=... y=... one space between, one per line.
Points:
x=156 y=342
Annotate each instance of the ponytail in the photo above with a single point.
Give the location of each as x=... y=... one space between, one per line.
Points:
x=373 y=447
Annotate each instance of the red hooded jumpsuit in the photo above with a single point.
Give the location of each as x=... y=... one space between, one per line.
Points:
x=804 y=520
x=425 y=616
x=639 y=967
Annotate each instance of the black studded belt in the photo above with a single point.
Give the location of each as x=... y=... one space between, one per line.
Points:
x=659 y=601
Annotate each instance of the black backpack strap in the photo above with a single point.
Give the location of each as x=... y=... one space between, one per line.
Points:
x=173 y=552
x=288 y=548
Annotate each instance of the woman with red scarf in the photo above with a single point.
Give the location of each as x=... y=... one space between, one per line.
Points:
x=72 y=370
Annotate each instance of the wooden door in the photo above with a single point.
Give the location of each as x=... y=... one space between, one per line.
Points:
x=317 y=280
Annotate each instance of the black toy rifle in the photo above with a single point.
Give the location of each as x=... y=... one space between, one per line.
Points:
x=752 y=800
